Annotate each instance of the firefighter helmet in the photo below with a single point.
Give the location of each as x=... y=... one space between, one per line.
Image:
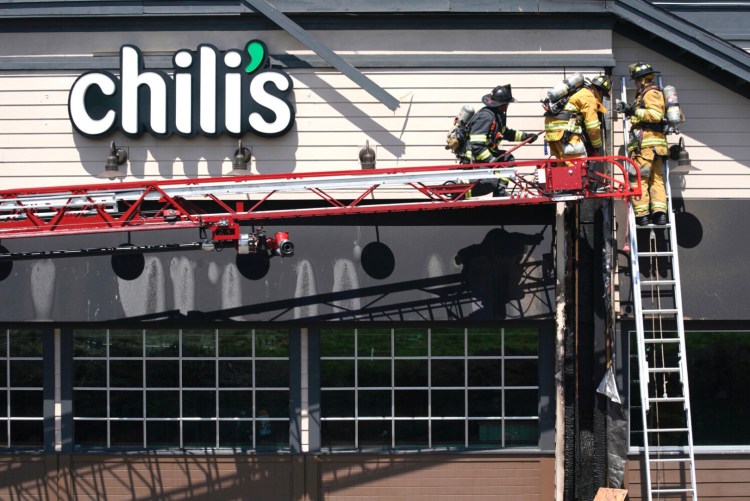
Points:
x=603 y=83
x=638 y=70
x=499 y=95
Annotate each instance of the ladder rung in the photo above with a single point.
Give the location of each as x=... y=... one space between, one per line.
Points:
x=660 y=370
x=670 y=460
x=666 y=399
x=673 y=491
x=663 y=340
x=655 y=254
x=668 y=430
x=658 y=282
x=670 y=311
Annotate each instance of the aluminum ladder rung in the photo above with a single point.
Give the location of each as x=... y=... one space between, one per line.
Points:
x=656 y=254
x=665 y=399
x=672 y=491
x=663 y=370
x=662 y=340
x=667 y=430
x=670 y=460
x=663 y=311
x=657 y=282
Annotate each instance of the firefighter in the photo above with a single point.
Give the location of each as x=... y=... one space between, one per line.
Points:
x=577 y=130
x=648 y=144
x=486 y=129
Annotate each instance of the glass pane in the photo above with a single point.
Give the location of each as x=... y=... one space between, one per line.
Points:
x=411 y=403
x=27 y=433
x=375 y=434
x=163 y=434
x=236 y=374
x=90 y=343
x=90 y=373
x=271 y=373
x=448 y=373
x=448 y=403
x=337 y=373
x=375 y=403
x=521 y=372
x=410 y=342
x=521 y=342
x=485 y=433
x=484 y=343
x=126 y=403
x=198 y=343
x=235 y=403
x=521 y=433
x=3 y=408
x=25 y=343
x=411 y=434
x=199 y=404
x=337 y=434
x=337 y=343
x=3 y=373
x=272 y=403
x=337 y=404
x=374 y=372
x=271 y=434
x=26 y=373
x=237 y=343
x=448 y=433
x=162 y=404
x=162 y=373
x=26 y=403
x=198 y=433
x=90 y=433
x=3 y=352
x=410 y=372
x=162 y=343
x=521 y=403
x=485 y=372
x=126 y=343
x=447 y=343
x=236 y=434
x=126 y=433
x=485 y=403
x=89 y=403
x=269 y=343
x=126 y=373
x=199 y=373
x=374 y=342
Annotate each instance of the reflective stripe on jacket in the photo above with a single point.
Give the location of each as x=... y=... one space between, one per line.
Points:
x=584 y=110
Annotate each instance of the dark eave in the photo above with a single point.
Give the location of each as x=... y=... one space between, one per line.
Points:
x=686 y=43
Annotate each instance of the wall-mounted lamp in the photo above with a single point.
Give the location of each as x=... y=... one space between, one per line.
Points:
x=240 y=161
x=679 y=153
x=367 y=157
x=116 y=158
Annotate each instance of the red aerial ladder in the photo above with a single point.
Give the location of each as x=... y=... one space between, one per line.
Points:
x=173 y=204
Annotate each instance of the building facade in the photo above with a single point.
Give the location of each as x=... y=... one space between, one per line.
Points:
x=394 y=355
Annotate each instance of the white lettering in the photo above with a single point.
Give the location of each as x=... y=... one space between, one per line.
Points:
x=280 y=108
x=132 y=79
x=208 y=90
x=79 y=115
x=233 y=93
x=183 y=93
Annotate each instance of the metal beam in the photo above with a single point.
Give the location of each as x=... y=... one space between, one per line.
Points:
x=320 y=49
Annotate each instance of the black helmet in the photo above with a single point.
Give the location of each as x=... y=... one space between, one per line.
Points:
x=638 y=70
x=603 y=83
x=499 y=95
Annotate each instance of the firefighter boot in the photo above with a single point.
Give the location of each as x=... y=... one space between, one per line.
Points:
x=644 y=220
x=501 y=191
x=659 y=218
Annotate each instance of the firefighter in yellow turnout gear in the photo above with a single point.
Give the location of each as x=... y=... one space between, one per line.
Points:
x=648 y=145
x=568 y=132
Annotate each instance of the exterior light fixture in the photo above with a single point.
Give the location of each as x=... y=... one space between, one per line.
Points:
x=679 y=153
x=116 y=158
x=240 y=161
x=367 y=157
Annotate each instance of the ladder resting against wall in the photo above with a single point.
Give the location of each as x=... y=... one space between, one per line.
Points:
x=669 y=459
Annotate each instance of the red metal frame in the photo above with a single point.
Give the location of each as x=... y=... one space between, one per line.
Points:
x=154 y=204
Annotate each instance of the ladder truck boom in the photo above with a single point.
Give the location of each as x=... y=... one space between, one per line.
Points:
x=174 y=204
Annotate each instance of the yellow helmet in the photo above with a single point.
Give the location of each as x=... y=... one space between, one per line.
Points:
x=603 y=83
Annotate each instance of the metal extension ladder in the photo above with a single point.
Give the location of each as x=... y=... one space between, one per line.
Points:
x=662 y=364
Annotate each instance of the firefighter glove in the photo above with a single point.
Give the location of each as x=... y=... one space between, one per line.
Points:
x=532 y=137
x=629 y=110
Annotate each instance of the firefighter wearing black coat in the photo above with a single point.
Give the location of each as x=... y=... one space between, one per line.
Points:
x=486 y=129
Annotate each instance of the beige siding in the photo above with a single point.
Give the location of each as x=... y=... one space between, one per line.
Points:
x=716 y=131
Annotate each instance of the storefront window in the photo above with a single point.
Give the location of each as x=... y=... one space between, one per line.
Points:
x=719 y=380
x=188 y=388
x=429 y=388
x=21 y=389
